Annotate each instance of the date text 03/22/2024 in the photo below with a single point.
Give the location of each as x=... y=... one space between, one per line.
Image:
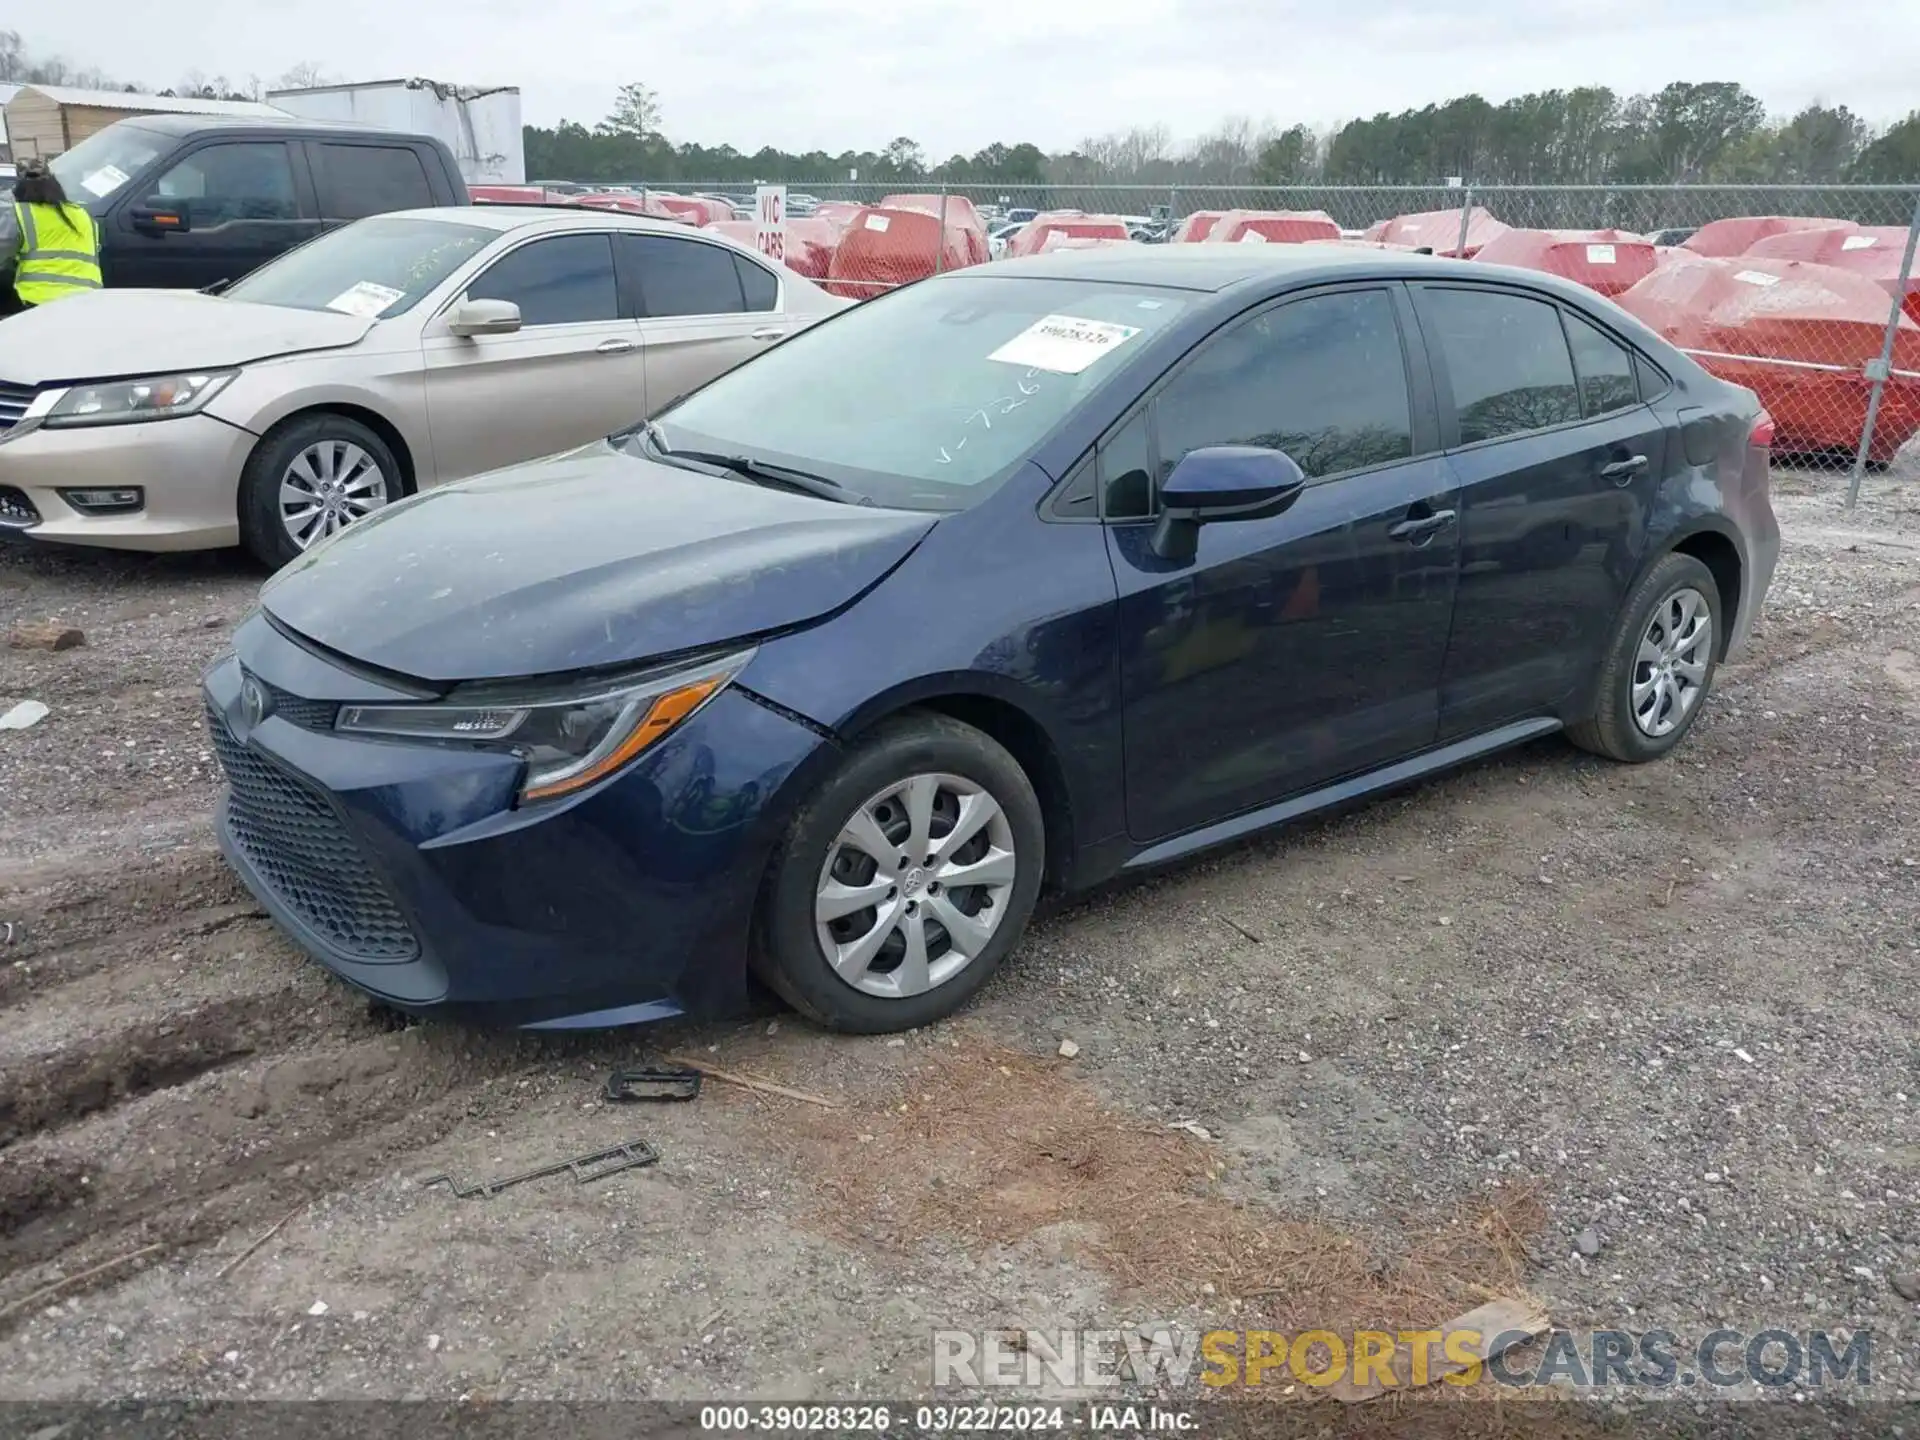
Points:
x=944 y=1419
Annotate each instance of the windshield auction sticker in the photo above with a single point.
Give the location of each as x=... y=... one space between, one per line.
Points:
x=105 y=180
x=365 y=299
x=1064 y=344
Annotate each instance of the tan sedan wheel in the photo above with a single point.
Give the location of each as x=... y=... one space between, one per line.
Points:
x=309 y=478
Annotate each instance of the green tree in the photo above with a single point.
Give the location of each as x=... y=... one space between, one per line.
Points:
x=1893 y=159
x=635 y=115
x=1289 y=158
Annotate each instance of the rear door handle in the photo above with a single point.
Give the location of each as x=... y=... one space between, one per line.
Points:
x=1624 y=469
x=615 y=347
x=1423 y=527
x=771 y=333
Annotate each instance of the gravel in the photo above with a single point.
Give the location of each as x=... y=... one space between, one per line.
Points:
x=1674 y=1003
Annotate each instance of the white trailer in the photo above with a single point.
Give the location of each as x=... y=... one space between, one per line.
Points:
x=481 y=125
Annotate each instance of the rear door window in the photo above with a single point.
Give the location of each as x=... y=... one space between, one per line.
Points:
x=757 y=284
x=681 y=277
x=561 y=280
x=1508 y=360
x=356 y=181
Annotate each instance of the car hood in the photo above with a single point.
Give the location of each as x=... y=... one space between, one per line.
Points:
x=106 y=334
x=590 y=559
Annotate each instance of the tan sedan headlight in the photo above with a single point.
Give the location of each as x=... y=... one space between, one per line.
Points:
x=126 y=402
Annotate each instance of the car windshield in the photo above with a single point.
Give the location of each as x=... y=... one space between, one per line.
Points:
x=378 y=268
x=928 y=398
x=106 y=160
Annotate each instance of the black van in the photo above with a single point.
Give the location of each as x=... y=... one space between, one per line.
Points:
x=188 y=201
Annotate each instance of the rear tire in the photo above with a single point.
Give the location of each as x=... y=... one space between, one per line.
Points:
x=1658 y=668
x=862 y=926
x=347 y=469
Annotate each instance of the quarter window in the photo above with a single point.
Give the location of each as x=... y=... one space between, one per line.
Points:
x=757 y=284
x=1605 y=368
x=1508 y=360
x=563 y=280
x=1323 y=379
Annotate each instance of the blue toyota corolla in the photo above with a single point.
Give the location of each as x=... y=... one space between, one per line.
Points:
x=1022 y=576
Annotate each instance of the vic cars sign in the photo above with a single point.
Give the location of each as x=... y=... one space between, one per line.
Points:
x=770 y=222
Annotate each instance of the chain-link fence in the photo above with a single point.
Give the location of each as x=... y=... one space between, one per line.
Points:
x=1808 y=295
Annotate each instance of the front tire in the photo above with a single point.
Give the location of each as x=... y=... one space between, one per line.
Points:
x=309 y=477
x=1659 y=666
x=905 y=881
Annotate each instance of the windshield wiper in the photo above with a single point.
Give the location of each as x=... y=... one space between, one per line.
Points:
x=804 y=482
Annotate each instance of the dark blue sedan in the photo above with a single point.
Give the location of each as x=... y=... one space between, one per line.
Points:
x=1020 y=577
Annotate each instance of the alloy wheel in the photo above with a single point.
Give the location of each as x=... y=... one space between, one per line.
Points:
x=1670 y=670
x=328 y=486
x=915 y=885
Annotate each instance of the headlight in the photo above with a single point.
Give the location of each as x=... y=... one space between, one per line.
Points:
x=569 y=741
x=124 y=402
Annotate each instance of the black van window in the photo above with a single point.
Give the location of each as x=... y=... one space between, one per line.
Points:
x=232 y=180
x=360 y=180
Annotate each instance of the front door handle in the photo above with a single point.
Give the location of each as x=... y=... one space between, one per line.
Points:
x=615 y=347
x=1421 y=528
x=1621 y=471
x=771 y=333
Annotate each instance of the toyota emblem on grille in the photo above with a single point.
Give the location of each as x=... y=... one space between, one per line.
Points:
x=254 y=705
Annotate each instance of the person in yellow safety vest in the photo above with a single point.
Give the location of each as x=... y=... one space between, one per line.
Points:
x=56 y=245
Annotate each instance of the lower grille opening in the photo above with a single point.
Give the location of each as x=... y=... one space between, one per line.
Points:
x=304 y=852
x=16 y=510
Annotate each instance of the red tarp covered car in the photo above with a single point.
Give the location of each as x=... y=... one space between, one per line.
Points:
x=883 y=248
x=1798 y=335
x=1034 y=234
x=1196 y=227
x=1280 y=227
x=957 y=210
x=841 y=212
x=1608 y=261
x=1874 y=251
x=692 y=208
x=1440 y=231
x=512 y=195
x=630 y=205
x=811 y=242
x=1735 y=235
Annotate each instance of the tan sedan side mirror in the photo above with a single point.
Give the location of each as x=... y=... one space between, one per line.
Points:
x=483 y=317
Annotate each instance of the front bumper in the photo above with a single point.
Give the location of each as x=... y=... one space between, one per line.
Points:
x=189 y=469
x=405 y=869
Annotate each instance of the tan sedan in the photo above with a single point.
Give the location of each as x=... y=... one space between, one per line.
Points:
x=384 y=357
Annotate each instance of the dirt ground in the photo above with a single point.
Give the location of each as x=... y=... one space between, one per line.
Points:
x=1637 y=1042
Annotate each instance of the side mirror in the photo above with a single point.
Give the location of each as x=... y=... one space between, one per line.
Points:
x=161 y=217
x=1217 y=483
x=483 y=317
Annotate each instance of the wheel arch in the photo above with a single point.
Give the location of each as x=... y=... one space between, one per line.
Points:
x=995 y=710
x=1720 y=553
x=388 y=432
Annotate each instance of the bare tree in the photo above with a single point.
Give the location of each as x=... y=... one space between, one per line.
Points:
x=304 y=76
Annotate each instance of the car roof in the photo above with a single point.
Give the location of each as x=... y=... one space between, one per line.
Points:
x=1213 y=268
x=552 y=217
x=194 y=124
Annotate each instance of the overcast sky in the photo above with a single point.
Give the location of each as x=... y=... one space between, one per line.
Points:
x=957 y=74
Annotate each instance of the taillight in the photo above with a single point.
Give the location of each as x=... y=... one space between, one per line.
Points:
x=1761 y=437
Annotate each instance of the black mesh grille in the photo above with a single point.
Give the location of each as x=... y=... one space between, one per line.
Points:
x=300 y=847
x=307 y=714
